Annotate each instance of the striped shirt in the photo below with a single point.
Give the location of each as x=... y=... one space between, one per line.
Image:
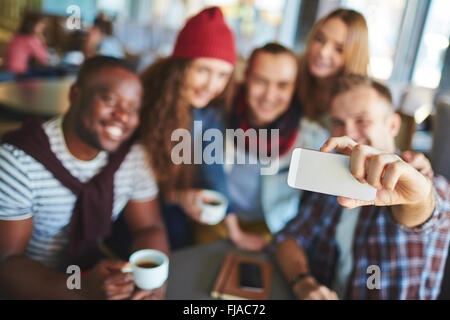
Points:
x=29 y=190
x=411 y=260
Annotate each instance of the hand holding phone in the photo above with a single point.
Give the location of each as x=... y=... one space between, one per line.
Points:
x=397 y=183
x=327 y=173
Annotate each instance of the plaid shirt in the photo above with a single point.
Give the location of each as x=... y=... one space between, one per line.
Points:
x=411 y=260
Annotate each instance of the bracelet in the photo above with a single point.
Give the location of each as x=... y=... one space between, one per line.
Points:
x=299 y=277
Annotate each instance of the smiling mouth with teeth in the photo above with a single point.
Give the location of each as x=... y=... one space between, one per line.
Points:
x=114 y=132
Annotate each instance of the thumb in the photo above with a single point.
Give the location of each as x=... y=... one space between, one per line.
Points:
x=349 y=203
x=202 y=196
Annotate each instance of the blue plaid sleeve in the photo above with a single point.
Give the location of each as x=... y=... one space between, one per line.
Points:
x=311 y=219
x=441 y=213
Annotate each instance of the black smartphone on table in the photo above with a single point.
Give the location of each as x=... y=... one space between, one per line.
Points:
x=250 y=276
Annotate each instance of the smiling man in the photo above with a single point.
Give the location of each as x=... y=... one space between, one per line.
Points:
x=64 y=182
x=331 y=248
x=260 y=204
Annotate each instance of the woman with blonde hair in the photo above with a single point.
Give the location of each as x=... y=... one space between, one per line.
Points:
x=178 y=90
x=337 y=44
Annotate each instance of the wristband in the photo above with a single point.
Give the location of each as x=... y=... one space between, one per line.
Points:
x=299 y=277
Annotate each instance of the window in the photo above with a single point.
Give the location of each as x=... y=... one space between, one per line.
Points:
x=253 y=22
x=433 y=45
x=111 y=7
x=384 y=18
x=150 y=26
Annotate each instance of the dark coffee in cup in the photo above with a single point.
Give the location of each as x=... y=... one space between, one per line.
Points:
x=212 y=203
x=147 y=264
x=150 y=268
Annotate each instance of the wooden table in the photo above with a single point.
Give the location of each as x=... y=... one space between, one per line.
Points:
x=193 y=271
x=44 y=98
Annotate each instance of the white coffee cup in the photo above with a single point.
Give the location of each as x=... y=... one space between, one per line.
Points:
x=146 y=277
x=214 y=212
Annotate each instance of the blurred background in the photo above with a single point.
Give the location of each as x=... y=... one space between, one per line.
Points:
x=409 y=41
x=408 y=38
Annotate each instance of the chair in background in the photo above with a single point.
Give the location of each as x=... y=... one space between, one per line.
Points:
x=415 y=106
x=440 y=153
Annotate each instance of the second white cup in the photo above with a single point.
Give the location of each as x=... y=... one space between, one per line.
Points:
x=213 y=211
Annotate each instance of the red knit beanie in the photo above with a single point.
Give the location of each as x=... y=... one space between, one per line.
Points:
x=206 y=35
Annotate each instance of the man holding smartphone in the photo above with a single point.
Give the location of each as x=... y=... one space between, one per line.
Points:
x=330 y=248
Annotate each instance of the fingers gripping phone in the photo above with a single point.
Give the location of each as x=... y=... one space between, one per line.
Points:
x=250 y=276
x=327 y=173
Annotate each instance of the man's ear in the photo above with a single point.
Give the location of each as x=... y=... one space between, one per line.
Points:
x=395 y=122
x=74 y=95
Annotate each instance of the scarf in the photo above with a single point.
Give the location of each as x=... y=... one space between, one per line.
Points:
x=287 y=123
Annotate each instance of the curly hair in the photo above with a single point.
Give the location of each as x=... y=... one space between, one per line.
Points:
x=165 y=109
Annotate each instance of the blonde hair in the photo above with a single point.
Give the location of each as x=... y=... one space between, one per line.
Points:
x=356 y=59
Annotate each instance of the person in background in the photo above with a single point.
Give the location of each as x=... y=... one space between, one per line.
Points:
x=64 y=182
x=332 y=248
x=337 y=44
x=260 y=205
x=100 y=40
x=187 y=86
x=28 y=45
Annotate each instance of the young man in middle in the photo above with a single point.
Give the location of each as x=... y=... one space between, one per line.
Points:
x=259 y=205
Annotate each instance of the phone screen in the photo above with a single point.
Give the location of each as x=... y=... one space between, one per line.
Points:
x=250 y=276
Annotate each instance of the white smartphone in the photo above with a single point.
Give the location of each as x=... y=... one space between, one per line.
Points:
x=327 y=173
